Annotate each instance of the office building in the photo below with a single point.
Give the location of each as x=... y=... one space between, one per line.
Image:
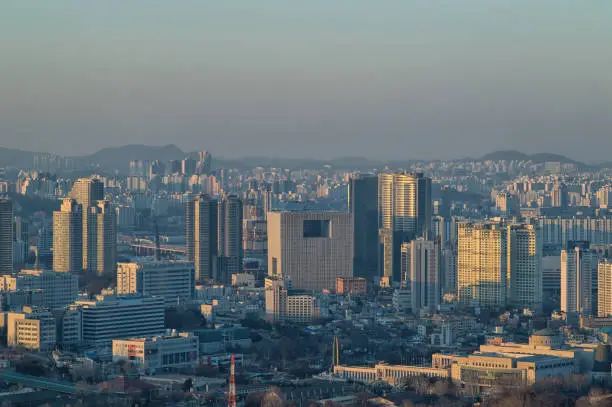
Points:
x=229 y=238
x=68 y=237
x=33 y=328
x=404 y=213
x=578 y=268
x=44 y=247
x=420 y=268
x=86 y=192
x=312 y=249
x=604 y=289
x=57 y=289
x=69 y=327
x=171 y=279
x=176 y=350
x=363 y=206
x=114 y=317
x=101 y=238
x=286 y=304
x=6 y=236
x=449 y=270
x=551 y=275
x=201 y=218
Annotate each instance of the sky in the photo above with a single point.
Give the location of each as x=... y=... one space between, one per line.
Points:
x=384 y=79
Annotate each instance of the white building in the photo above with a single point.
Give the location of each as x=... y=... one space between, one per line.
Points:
x=420 y=267
x=578 y=267
x=311 y=249
x=58 y=289
x=110 y=317
x=159 y=352
x=170 y=279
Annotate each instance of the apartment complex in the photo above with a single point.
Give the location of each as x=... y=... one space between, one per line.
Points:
x=499 y=264
x=201 y=219
x=101 y=238
x=312 y=249
x=173 y=280
x=604 y=289
x=578 y=269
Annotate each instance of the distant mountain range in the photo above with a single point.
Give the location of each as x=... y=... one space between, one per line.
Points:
x=118 y=158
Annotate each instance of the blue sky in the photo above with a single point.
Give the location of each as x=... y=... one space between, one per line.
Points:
x=385 y=79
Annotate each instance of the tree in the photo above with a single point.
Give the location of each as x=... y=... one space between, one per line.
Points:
x=188 y=385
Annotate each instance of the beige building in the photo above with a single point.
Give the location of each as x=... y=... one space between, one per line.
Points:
x=68 y=237
x=176 y=350
x=312 y=249
x=33 y=328
x=86 y=192
x=101 y=238
x=173 y=280
x=420 y=267
x=499 y=264
x=286 y=304
x=480 y=371
x=604 y=289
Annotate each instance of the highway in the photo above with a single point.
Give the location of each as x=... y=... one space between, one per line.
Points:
x=44 y=383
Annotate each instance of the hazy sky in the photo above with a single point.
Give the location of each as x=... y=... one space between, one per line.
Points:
x=316 y=78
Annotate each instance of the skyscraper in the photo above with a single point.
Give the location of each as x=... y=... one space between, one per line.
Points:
x=363 y=206
x=525 y=266
x=499 y=264
x=6 y=236
x=578 y=267
x=87 y=192
x=604 y=289
x=404 y=213
x=102 y=238
x=229 y=237
x=420 y=264
x=201 y=218
x=312 y=249
x=68 y=237
x=559 y=196
x=482 y=264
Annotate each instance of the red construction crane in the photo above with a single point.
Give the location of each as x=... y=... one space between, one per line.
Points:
x=231 y=398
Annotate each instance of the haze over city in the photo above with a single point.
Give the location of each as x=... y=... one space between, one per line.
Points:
x=387 y=80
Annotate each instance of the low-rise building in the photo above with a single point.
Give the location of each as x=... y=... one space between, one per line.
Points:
x=33 y=328
x=173 y=280
x=58 y=289
x=109 y=317
x=159 y=352
x=220 y=340
x=284 y=304
x=351 y=285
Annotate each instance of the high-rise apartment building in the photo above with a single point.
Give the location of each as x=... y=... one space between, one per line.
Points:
x=87 y=192
x=6 y=236
x=420 y=265
x=559 y=196
x=404 y=213
x=68 y=237
x=499 y=264
x=525 y=266
x=201 y=219
x=102 y=238
x=311 y=249
x=363 y=206
x=604 y=289
x=578 y=268
x=229 y=238
x=172 y=280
